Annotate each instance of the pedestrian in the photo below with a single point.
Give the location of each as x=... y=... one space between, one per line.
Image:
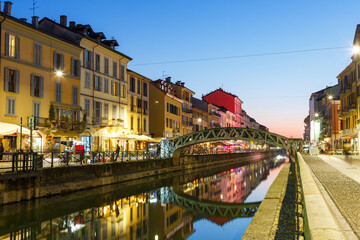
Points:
x=117 y=152
x=1 y=150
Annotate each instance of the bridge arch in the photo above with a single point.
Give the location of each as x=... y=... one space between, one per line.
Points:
x=174 y=146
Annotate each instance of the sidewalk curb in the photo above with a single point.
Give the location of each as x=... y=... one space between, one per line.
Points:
x=321 y=223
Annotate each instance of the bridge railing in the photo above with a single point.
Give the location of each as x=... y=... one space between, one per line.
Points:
x=16 y=162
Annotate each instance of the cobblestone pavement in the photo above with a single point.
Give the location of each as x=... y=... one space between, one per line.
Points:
x=344 y=191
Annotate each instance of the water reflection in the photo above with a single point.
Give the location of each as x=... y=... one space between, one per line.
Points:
x=152 y=214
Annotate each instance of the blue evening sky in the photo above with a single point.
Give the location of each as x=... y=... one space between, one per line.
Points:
x=275 y=89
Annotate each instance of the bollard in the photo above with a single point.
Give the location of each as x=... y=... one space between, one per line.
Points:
x=52 y=159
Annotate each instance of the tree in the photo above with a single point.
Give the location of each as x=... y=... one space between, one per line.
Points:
x=51 y=113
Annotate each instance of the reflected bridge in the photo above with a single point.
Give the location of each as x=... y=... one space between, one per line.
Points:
x=212 y=208
x=173 y=147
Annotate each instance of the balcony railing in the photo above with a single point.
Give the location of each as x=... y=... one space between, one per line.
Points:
x=41 y=122
x=215 y=114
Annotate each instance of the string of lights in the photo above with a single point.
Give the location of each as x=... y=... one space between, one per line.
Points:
x=243 y=56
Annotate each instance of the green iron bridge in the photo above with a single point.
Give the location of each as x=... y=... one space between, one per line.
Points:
x=173 y=147
x=210 y=208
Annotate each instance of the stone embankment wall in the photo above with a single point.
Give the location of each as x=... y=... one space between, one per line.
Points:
x=59 y=180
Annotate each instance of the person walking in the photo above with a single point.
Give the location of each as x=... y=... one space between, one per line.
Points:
x=117 y=152
x=1 y=150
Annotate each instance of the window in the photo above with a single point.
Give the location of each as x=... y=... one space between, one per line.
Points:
x=138 y=86
x=97 y=62
x=37 y=54
x=144 y=125
x=88 y=60
x=145 y=107
x=138 y=125
x=115 y=69
x=58 y=92
x=123 y=91
x=132 y=123
x=145 y=86
x=167 y=122
x=75 y=67
x=131 y=103
x=97 y=83
x=106 y=110
x=11 y=106
x=132 y=84
x=12 y=45
x=36 y=109
x=122 y=77
x=114 y=112
x=87 y=80
x=58 y=61
x=97 y=111
x=106 y=85
x=114 y=88
x=75 y=95
x=106 y=66
x=139 y=103
x=12 y=80
x=87 y=107
x=36 y=86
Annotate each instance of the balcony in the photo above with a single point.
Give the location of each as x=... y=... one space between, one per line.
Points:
x=189 y=110
x=66 y=125
x=40 y=122
x=352 y=107
x=215 y=114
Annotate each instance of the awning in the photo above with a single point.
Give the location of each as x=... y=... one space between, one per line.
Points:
x=8 y=129
x=348 y=137
x=145 y=138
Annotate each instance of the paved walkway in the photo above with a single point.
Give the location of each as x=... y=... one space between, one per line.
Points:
x=340 y=177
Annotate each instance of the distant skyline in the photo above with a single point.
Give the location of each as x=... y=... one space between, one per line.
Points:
x=275 y=89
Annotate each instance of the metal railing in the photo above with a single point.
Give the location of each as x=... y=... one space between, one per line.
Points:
x=20 y=162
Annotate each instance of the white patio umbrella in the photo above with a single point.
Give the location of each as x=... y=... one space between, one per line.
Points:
x=9 y=128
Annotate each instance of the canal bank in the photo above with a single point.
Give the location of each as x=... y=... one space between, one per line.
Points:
x=62 y=180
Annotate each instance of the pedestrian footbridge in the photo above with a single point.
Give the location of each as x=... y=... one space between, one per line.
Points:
x=173 y=147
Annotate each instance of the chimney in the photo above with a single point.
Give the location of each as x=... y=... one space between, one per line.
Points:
x=168 y=79
x=35 y=21
x=178 y=83
x=72 y=24
x=7 y=8
x=23 y=19
x=63 y=20
x=182 y=84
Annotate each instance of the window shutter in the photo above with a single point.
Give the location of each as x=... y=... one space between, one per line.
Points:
x=72 y=66
x=91 y=54
x=100 y=84
x=32 y=85
x=62 y=61
x=17 y=73
x=112 y=87
x=35 y=53
x=17 y=48
x=41 y=87
x=55 y=60
x=60 y=89
x=78 y=68
x=84 y=59
x=7 y=44
x=40 y=49
x=6 y=79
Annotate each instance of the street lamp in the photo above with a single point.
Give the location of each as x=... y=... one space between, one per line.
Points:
x=356 y=49
x=330 y=97
x=316 y=114
x=59 y=73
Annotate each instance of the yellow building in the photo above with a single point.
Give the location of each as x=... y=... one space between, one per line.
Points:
x=165 y=107
x=138 y=107
x=214 y=116
x=103 y=89
x=186 y=95
x=37 y=74
x=348 y=100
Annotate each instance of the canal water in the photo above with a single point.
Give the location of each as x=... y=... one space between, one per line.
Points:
x=174 y=208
